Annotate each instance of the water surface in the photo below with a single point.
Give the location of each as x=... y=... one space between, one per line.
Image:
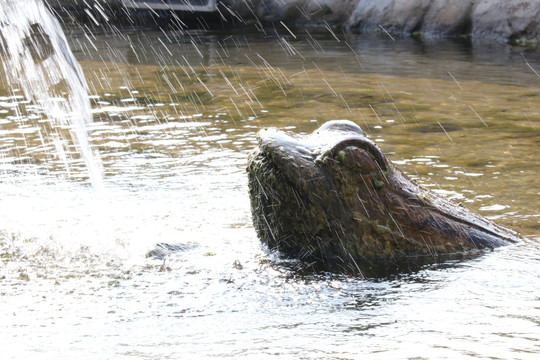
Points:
x=175 y=117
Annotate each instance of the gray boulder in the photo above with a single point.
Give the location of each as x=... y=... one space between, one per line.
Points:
x=482 y=19
x=448 y=18
x=506 y=19
x=393 y=16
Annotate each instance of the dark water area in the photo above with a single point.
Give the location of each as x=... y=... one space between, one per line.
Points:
x=329 y=49
x=175 y=118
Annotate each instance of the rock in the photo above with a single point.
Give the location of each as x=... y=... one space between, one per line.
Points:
x=162 y=250
x=483 y=19
x=448 y=18
x=395 y=16
x=510 y=19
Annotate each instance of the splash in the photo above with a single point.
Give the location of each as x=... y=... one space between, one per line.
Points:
x=37 y=58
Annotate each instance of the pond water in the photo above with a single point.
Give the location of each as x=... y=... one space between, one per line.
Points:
x=175 y=117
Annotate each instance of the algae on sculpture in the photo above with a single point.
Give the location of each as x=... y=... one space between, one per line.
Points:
x=333 y=196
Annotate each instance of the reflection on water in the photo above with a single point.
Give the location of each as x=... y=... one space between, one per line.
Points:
x=175 y=116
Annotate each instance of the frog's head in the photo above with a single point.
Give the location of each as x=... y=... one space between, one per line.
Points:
x=303 y=187
x=333 y=195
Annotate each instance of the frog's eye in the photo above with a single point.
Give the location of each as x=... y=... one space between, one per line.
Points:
x=359 y=152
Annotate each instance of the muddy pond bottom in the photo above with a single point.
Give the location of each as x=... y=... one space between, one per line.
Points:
x=175 y=117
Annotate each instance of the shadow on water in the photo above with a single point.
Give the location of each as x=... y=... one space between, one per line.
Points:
x=375 y=269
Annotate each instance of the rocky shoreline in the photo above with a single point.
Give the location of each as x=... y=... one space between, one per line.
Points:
x=481 y=19
x=499 y=20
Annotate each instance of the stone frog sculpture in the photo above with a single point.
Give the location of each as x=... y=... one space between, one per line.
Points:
x=332 y=196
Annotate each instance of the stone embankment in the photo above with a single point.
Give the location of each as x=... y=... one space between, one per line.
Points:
x=481 y=19
x=503 y=20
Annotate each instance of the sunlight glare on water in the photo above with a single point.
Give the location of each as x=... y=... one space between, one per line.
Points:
x=175 y=115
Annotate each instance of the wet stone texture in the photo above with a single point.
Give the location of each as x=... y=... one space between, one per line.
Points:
x=483 y=19
x=332 y=196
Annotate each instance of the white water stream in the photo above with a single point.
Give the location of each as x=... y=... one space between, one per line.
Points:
x=39 y=61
